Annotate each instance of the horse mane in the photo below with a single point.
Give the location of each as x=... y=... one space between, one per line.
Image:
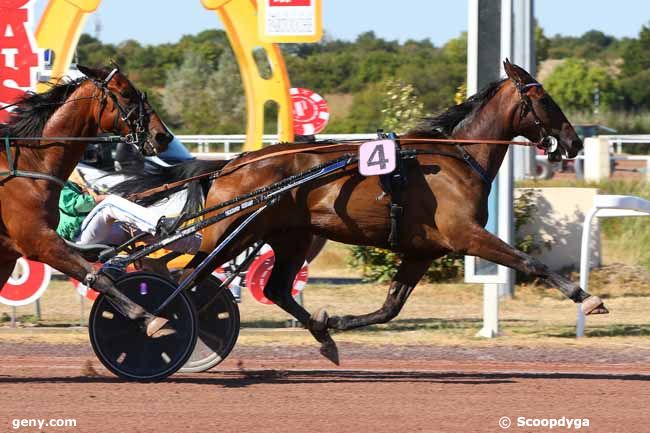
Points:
x=33 y=110
x=154 y=176
x=445 y=123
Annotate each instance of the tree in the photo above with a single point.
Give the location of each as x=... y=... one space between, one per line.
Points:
x=635 y=72
x=200 y=100
x=542 y=44
x=574 y=82
x=402 y=107
x=224 y=88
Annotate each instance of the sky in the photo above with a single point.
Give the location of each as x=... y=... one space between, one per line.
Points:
x=159 y=21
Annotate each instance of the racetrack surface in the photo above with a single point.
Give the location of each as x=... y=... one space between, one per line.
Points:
x=376 y=389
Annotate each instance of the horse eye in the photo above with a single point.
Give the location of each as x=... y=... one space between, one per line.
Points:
x=546 y=101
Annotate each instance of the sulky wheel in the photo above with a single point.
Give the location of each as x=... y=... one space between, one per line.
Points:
x=218 y=325
x=121 y=343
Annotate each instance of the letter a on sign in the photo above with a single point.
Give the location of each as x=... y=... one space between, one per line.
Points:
x=377 y=157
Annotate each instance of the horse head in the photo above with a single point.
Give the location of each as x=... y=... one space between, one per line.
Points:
x=541 y=119
x=125 y=110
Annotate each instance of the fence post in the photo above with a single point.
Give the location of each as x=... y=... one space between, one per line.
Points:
x=82 y=310
x=597 y=159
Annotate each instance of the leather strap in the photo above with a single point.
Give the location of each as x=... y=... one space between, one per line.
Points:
x=229 y=168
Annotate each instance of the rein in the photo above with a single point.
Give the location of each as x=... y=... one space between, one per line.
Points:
x=231 y=168
x=138 y=136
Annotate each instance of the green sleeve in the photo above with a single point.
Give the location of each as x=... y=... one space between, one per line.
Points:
x=84 y=203
x=73 y=202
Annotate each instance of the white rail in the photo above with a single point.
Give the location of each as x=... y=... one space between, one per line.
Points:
x=617 y=141
x=604 y=206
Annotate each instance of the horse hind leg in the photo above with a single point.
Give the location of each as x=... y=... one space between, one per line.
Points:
x=409 y=273
x=290 y=255
x=7 y=264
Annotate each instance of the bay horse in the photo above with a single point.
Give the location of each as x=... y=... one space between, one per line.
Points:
x=104 y=101
x=444 y=202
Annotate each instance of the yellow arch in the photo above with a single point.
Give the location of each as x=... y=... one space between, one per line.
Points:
x=62 y=21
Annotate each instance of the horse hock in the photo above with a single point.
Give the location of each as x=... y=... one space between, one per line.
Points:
x=154 y=326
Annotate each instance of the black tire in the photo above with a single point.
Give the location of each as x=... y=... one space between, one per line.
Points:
x=122 y=345
x=219 y=324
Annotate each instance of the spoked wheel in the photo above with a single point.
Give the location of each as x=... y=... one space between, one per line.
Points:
x=122 y=345
x=218 y=325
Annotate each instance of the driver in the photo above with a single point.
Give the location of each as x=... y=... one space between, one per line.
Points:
x=89 y=218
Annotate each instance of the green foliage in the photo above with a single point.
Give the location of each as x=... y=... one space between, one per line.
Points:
x=361 y=68
x=402 y=107
x=624 y=122
x=593 y=44
x=542 y=44
x=574 y=83
x=636 y=57
x=197 y=98
x=380 y=265
x=524 y=208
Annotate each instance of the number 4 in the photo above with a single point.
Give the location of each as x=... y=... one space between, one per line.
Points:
x=377 y=157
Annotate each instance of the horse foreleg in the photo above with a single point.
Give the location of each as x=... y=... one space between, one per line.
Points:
x=50 y=249
x=479 y=242
x=408 y=275
x=7 y=264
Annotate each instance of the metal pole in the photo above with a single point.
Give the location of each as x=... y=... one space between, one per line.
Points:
x=13 y=317
x=585 y=259
x=523 y=53
x=507 y=171
x=38 y=310
x=300 y=301
x=82 y=302
x=490 y=327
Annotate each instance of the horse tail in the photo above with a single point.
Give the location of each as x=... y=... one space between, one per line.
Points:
x=158 y=175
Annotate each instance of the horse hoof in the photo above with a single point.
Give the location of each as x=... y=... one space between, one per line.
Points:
x=318 y=320
x=594 y=305
x=156 y=328
x=330 y=351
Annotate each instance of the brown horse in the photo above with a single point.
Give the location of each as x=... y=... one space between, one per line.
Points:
x=105 y=102
x=444 y=201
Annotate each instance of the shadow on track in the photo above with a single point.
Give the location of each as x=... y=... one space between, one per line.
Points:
x=244 y=378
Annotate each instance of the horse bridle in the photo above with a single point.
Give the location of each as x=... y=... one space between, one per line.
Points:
x=139 y=135
x=548 y=142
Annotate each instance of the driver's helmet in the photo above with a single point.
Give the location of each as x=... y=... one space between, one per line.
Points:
x=98 y=155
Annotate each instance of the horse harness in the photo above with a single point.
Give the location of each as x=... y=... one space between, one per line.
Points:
x=138 y=137
x=394 y=183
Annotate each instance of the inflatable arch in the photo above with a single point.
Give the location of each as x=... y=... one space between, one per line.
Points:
x=63 y=20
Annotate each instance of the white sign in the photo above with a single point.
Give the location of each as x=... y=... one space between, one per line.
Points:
x=290 y=20
x=377 y=157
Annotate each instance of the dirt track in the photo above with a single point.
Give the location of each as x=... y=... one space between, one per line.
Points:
x=388 y=389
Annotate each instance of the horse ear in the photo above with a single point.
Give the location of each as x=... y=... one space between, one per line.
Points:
x=517 y=73
x=511 y=71
x=95 y=74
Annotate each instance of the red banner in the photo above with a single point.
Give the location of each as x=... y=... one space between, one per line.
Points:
x=19 y=58
x=274 y=3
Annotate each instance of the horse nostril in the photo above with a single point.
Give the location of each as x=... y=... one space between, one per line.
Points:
x=163 y=138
